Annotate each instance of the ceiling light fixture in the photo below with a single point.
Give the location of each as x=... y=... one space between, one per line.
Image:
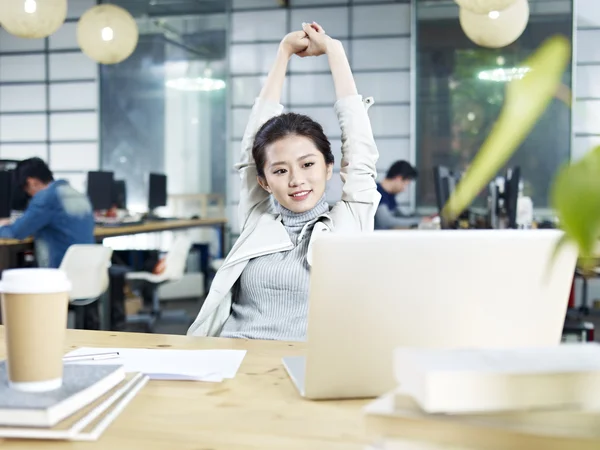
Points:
x=502 y=75
x=195 y=84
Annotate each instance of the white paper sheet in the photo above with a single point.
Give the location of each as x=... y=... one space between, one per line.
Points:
x=168 y=364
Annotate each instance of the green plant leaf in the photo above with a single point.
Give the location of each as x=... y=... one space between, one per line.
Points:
x=526 y=100
x=575 y=197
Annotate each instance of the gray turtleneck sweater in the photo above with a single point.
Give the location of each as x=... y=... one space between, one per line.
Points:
x=270 y=299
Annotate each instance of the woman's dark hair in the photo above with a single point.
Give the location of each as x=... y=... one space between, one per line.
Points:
x=289 y=124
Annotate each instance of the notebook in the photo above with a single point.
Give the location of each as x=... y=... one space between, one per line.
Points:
x=82 y=384
x=89 y=422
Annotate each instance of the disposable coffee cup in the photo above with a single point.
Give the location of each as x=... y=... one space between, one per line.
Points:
x=35 y=307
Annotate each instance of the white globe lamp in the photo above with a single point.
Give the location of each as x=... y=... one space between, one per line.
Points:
x=495 y=29
x=484 y=6
x=32 y=19
x=107 y=34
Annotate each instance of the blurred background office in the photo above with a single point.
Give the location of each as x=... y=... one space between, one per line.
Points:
x=179 y=104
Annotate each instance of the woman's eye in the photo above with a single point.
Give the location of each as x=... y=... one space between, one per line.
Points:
x=309 y=164
x=279 y=172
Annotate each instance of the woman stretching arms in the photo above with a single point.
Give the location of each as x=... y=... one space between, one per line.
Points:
x=261 y=290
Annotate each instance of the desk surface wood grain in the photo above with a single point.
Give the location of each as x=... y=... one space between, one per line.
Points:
x=147 y=227
x=258 y=409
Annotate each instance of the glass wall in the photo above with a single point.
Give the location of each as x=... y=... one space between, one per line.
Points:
x=460 y=92
x=163 y=109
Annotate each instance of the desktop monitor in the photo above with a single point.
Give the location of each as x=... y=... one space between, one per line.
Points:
x=157 y=192
x=6 y=190
x=120 y=194
x=100 y=190
x=511 y=195
x=441 y=178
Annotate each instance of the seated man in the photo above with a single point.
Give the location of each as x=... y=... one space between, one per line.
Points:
x=57 y=215
x=398 y=177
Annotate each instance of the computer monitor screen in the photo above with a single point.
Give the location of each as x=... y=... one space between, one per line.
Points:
x=157 y=192
x=100 y=190
x=6 y=188
x=20 y=199
x=120 y=194
x=443 y=185
x=511 y=195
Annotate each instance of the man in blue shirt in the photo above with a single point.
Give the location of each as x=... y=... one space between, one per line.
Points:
x=57 y=216
x=396 y=181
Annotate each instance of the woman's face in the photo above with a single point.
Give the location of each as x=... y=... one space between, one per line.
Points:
x=295 y=173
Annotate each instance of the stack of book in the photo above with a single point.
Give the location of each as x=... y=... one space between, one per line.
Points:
x=493 y=399
x=90 y=398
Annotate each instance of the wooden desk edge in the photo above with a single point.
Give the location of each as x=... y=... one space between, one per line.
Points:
x=147 y=227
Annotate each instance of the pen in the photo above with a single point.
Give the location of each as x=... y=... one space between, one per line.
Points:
x=91 y=357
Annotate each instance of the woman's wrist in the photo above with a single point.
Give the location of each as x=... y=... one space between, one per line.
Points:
x=333 y=45
x=284 y=50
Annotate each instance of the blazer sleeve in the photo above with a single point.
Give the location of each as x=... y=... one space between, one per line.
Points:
x=360 y=198
x=251 y=194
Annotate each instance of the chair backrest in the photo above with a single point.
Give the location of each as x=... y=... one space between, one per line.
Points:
x=86 y=266
x=176 y=258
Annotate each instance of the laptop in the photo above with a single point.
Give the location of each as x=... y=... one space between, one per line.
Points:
x=373 y=292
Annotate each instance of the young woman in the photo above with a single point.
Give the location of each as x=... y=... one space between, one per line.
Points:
x=261 y=290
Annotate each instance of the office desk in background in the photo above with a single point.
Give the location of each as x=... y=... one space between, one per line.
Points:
x=258 y=409
x=9 y=248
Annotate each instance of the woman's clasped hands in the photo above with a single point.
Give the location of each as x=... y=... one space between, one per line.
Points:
x=310 y=41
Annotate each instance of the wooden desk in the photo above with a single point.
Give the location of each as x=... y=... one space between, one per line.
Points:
x=9 y=247
x=258 y=409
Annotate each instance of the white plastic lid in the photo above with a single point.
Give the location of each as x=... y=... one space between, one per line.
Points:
x=34 y=281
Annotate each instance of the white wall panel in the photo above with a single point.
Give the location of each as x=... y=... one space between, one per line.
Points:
x=245 y=90
x=588 y=13
x=377 y=54
x=30 y=97
x=588 y=81
x=73 y=96
x=390 y=120
x=75 y=156
x=23 y=151
x=587 y=48
x=586 y=116
x=373 y=20
x=23 y=127
x=65 y=37
x=72 y=66
x=311 y=89
x=73 y=127
x=251 y=58
x=22 y=68
x=10 y=43
x=384 y=86
x=258 y=25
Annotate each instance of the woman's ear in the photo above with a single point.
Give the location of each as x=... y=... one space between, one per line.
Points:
x=329 y=171
x=263 y=183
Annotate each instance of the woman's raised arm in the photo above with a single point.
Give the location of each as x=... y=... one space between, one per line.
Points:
x=358 y=171
x=265 y=107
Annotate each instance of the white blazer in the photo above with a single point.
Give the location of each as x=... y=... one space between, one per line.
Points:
x=262 y=230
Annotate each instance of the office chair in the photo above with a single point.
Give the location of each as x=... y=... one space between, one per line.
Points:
x=86 y=266
x=175 y=263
